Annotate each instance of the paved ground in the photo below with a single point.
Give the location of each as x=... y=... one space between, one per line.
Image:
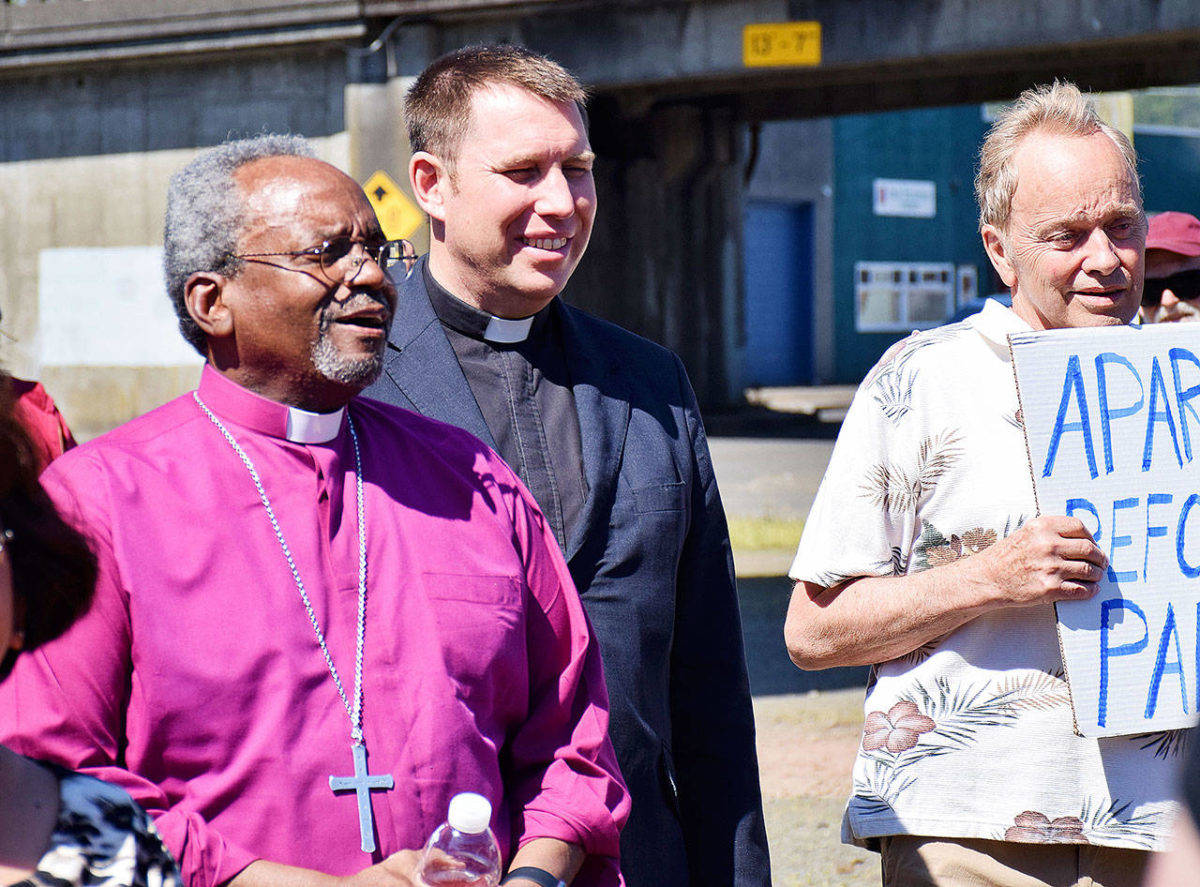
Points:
x=825 y=402
x=774 y=476
x=771 y=477
x=769 y=464
x=769 y=456
x=806 y=746
x=808 y=725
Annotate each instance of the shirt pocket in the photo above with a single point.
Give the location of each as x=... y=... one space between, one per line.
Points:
x=659 y=497
x=487 y=591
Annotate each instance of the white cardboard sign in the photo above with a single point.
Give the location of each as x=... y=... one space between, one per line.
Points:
x=1112 y=423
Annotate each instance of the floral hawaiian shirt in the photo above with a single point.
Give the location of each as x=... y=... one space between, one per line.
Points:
x=102 y=839
x=971 y=735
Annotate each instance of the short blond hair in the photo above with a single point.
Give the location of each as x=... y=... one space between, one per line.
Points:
x=437 y=107
x=1058 y=109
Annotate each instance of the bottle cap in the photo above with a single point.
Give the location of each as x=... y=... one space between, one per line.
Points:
x=470 y=813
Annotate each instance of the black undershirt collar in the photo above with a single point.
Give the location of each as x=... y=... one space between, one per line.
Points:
x=471 y=321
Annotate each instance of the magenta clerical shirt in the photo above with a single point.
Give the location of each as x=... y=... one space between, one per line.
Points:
x=196 y=683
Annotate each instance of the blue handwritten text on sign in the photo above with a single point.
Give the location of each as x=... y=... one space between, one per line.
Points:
x=1112 y=420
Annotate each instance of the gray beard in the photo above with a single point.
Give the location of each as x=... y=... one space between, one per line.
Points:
x=337 y=367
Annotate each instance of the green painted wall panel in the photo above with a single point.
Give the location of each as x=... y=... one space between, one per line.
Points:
x=1170 y=170
x=938 y=145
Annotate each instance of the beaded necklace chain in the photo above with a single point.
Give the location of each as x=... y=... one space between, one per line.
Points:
x=362 y=782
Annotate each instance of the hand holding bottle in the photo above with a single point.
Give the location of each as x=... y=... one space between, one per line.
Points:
x=462 y=851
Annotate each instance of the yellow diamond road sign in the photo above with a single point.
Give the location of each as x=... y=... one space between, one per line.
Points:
x=781 y=44
x=398 y=215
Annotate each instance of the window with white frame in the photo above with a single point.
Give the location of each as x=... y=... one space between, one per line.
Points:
x=903 y=296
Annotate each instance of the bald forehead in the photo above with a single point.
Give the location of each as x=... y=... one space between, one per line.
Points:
x=1050 y=148
x=1056 y=156
x=304 y=198
x=292 y=202
x=269 y=179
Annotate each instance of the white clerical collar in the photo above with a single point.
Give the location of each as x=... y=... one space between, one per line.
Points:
x=313 y=428
x=506 y=331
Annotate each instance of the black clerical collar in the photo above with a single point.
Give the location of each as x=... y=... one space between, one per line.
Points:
x=471 y=321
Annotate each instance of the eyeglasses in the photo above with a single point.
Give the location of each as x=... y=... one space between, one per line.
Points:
x=1185 y=286
x=338 y=259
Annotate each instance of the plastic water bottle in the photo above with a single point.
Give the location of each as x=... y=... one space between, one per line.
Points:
x=462 y=851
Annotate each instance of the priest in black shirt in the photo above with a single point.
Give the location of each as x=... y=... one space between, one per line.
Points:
x=517 y=372
x=603 y=428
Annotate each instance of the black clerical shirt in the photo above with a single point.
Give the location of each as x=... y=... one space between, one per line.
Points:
x=524 y=391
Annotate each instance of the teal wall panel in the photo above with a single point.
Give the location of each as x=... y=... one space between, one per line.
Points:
x=1170 y=170
x=939 y=145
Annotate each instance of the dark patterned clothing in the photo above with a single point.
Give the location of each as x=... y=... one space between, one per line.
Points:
x=970 y=735
x=102 y=838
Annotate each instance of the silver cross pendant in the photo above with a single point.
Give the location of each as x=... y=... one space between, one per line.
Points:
x=362 y=783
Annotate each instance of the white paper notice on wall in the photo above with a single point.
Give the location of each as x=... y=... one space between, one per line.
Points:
x=107 y=306
x=1112 y=423
x=908 y=198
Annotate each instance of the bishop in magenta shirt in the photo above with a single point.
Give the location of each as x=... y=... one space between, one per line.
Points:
x=196 y=683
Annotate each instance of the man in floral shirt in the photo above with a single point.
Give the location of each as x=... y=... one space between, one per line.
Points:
x=923 y=555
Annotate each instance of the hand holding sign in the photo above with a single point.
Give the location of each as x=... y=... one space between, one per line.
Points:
x=873 y=619
x=1112 y=424
x=1049 y=559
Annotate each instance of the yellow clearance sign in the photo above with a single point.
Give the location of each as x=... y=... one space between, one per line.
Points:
x=781 y=44
x=398 y=215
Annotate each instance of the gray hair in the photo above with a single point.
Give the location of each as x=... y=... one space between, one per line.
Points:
x=206 y=214
x=1059 y=109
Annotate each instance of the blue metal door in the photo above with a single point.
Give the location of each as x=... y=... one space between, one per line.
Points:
x=779 y=292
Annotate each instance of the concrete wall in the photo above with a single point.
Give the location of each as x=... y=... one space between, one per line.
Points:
x=664 y=259
x=84 y=162
x=85 y=157
x=378 y=140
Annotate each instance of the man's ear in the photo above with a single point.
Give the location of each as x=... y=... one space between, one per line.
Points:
x=203 y=295
x=996 y=247
x=429 y=179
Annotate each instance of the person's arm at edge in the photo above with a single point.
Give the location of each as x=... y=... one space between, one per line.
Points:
x=874 y=619
x=559 y=858
x=397 y=870
x=713 y=736
x=568 y=789
x=66 y=702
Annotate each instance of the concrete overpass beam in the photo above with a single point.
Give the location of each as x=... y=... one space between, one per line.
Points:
x=666 y=251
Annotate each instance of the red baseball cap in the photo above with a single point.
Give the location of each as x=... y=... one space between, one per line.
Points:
x=1174 y=232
